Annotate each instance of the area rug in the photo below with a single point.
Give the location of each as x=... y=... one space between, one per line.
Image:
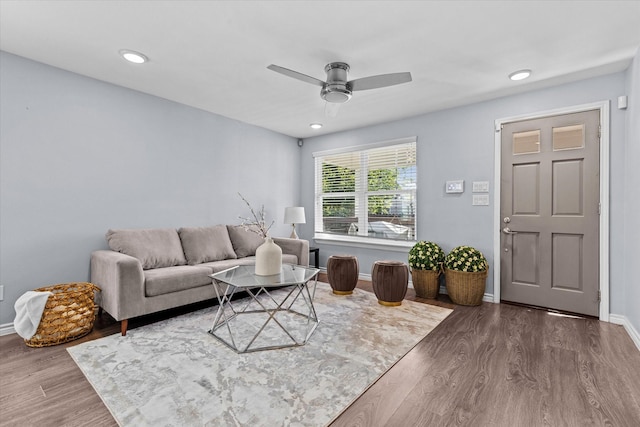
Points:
x=174 y=373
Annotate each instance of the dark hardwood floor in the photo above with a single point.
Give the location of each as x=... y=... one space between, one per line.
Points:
x=493 y=365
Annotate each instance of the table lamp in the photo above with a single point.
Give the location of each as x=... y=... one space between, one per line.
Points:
x=294 y=215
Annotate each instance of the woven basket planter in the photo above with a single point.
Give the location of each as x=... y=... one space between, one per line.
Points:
x=465 y=288
x=426 y=283
x=68 y=314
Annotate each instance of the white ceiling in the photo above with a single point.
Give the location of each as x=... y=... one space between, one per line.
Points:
x=213 y=54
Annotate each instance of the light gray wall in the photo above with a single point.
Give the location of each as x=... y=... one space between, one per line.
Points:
x=631 y=197
x=459 y=144
x=79 y=156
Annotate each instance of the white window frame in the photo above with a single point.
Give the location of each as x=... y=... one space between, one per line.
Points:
x=357 y=240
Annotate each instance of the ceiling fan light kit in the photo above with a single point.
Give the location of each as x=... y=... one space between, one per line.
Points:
x=337 y=89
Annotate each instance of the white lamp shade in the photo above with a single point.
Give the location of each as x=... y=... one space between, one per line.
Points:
x=294 y=215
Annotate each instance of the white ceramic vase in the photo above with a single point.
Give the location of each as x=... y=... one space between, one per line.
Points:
x=268 y=258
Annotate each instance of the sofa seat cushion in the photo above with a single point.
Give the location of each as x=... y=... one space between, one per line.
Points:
x=154 y=248
x=244 y=242
x=218 y=266
x=204 y=244
x=162 y=281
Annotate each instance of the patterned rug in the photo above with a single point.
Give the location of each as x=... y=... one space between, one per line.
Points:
x=174 y=373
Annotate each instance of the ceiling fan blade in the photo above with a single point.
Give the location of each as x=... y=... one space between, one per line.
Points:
x=382 y=80
x=296 y=75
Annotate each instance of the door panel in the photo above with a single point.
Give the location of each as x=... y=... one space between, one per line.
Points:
x=526 y=189
x=568 y=188
x=567 y=261
x=525 y=261
x=549 y=202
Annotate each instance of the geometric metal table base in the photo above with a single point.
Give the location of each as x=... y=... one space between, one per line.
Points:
x=266 y=320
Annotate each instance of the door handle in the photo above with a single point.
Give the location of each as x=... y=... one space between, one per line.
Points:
x=507 y=230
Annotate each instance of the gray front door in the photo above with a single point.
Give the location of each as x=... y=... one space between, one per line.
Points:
x=549 y=206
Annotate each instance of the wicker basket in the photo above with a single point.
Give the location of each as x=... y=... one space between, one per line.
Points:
x=426 y=283
x=465 y=288
x=68 y=314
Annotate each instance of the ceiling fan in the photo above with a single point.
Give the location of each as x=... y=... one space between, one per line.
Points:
x=337 y=89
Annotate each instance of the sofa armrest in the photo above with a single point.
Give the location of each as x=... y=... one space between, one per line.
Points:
x=121 y=281
x=297 y=247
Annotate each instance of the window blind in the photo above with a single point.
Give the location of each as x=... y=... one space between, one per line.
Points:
x=368 y=191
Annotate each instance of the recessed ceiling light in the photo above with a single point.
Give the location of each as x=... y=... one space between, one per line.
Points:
x=520 y=74
x=132 y=56
x=315 y=125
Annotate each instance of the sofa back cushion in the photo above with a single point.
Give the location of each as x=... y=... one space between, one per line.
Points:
x=154 y=248
x=244 y=242
x=205 y=244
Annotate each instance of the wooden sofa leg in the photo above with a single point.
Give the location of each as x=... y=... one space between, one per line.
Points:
x=123 y=326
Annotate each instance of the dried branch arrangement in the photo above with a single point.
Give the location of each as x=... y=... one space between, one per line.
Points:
x=257 y=224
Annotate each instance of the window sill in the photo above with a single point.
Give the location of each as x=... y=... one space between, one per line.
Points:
x=364 y=242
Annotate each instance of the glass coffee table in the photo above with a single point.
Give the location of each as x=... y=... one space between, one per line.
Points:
x=277 y=313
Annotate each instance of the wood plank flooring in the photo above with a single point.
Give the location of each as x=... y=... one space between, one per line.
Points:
x=493 y=365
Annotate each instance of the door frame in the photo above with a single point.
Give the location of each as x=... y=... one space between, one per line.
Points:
x=603 y=252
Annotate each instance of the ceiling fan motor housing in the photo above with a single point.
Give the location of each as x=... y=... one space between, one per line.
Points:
x=336 y=89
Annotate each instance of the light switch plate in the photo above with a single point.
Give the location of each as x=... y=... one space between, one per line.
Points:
x=455 y=186
x=480 y=186
x=480 y=200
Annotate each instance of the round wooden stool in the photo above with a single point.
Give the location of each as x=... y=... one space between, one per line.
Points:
x=343 y=273
x=390 y=281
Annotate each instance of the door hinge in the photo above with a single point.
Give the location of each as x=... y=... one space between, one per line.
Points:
x=599 y=296
x=599 y=132
x=599 y=208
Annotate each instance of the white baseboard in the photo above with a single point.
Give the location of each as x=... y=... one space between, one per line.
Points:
x=622 y=320
x=7 y=329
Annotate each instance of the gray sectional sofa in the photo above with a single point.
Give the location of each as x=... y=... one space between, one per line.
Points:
x=150 y=270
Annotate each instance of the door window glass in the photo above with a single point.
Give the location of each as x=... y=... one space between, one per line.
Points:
x=568 y=137
x=526 y=142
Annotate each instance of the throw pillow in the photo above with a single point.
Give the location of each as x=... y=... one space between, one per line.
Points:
x=244 y=242
x=155 y=248
x=205 y=244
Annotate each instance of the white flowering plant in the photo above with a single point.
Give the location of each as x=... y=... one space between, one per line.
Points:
x=466 y=258
x=426 y=256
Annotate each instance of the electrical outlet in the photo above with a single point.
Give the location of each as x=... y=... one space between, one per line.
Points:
x=1 y=292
